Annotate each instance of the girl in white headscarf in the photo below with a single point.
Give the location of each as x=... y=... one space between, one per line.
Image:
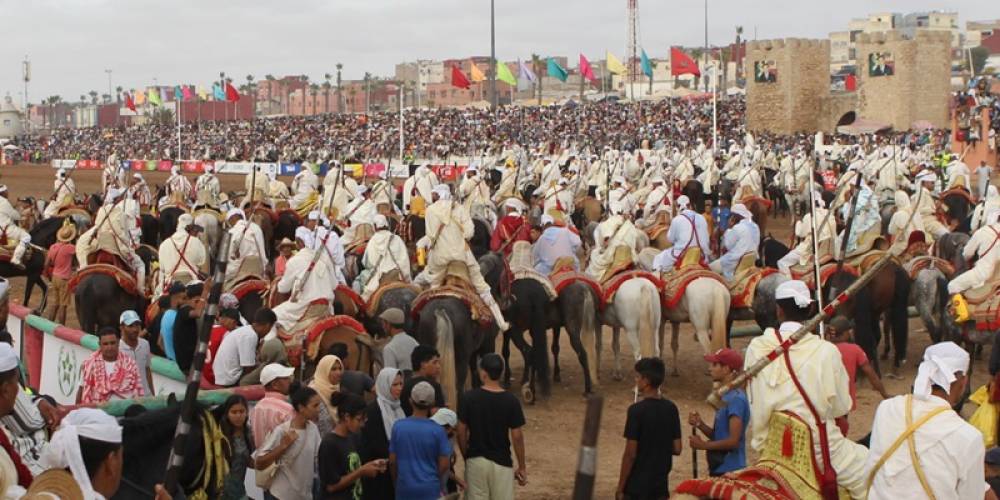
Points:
x=381 y=415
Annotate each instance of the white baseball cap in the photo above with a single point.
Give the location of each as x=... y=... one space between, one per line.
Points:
x=275 y=371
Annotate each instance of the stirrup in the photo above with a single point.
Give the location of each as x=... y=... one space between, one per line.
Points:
x=959 y=308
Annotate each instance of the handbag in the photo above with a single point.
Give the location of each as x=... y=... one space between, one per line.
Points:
x=265 y=477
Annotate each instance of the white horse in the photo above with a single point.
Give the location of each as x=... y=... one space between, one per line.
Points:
x=212 y=231
x=636 y=308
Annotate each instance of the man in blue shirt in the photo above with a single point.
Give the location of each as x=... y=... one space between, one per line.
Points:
x=555 y=243
x=727 y=446
x=176 y=293
x=419 y=450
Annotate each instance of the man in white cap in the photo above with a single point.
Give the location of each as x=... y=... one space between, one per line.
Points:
x=14 y=475
x=473 y=190
x=449 y=227
x=616 y=231
x=11 y=233
x=178 y=186
x=309 y=283
x=742 y=237
x=384 y=253
x=305 y=187
x=811 y=382
x=825 y=235
x=182 y=256
x=922 y=448
x=207 y=189
x=247 y=257
x=112 y=233
x=420 y=184
x=924 y=202
x=138 y=190
x=63 y=191
x=556 y=242
x=688 y=229
x=984 y=244
x=85 y=450
x=620 y=194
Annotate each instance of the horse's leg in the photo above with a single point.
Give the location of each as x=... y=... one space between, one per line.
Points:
x=555 y=354
x=45 y=292
x=505 y=353
x=899 y=317
x=29 y=286
x=517 y=336
x=615 y=351
x=581 y=356
x=675 y=332
x=889 y=339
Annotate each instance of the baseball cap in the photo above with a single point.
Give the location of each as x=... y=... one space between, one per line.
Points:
x=394 y=316
x=727 y=357
x=129 y=318
x=275 y=371
x=444 y=417
x=423 y=394
x=992 y=455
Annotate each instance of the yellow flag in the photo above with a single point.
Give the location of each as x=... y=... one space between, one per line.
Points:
x=614 y=65
x=202 y=93
x=140 y=97
x=477 y=74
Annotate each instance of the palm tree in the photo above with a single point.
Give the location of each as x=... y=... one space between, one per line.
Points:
x=326 y=92
x=118 y=94
x=53 y=100
x=340 y=95
x=305 y=81
x=314 y=91
x=270 y=90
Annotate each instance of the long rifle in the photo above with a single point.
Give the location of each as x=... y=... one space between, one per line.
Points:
x=187 y=416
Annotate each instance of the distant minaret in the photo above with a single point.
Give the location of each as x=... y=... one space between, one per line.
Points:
x=632 y=43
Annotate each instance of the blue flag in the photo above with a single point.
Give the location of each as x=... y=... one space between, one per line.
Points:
x=647 y=65
x=557 y=71
x=218 y=93
x=178 y=93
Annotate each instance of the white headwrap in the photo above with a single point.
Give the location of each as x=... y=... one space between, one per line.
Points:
x=794 y=289
x=941 y=362
x=113 y=193
x=8 y=357
x=380 y=221
x=234 y=212
x=184 y=221
x=926 y=176
x=360 y=190
x=314 y=215
x=303 y=233
x=683 y=202
x=547 y=219
x=741 y=210
x=63 y=450
x=442 y=191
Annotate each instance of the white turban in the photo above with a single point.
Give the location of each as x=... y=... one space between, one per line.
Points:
x=234 y=212
x=137 y=176
x=683 y=202
x=547 y=219
x=941 y=362
x=361 y=190
x=926 y=176
x=314 y=215
x=303 y=233
x=442 y=191
x=741 y=210
x=618 y=179
x=63 y=450
x=8 y=356
x=794 y=289
x=184 y=221
x=380 y=221
x=113 y=193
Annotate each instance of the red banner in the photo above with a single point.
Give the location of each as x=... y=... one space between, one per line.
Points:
x=88 y=164
x=448 y=173
x=374 y=169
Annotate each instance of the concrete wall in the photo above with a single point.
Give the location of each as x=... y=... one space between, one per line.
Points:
x=794 y=102
x=835 y=106
x=918 y=89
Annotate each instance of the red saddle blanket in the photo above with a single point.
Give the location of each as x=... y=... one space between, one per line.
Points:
x=311 y=333
x=244 y=288
x=917 y=264
x=376 y=297
x=462 y=291
x=124 y=279
x=612 y=285
x=564 y=277
x=676 y=282
x=752 y=483
x=825 y=271
x=747 y=200
x=346 y=291
x=743 y=291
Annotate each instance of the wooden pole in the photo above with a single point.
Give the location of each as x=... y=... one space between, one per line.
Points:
x=586 y=469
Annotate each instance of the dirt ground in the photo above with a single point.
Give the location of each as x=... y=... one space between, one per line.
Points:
x=554 y=427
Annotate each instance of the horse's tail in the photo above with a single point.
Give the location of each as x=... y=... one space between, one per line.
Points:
x=444 y=332
x=720 y=313
x=588 y=333
x=649 y=310
x=945 y=325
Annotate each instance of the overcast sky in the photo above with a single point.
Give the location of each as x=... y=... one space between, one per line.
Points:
x=71 y=42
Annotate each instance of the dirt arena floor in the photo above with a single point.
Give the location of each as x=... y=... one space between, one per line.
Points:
x=554 y=427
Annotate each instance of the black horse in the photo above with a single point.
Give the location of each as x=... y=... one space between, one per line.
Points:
x=168 y=221
x=695 y=192
x=100 y=300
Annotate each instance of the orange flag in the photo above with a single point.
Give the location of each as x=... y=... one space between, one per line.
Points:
x=477 y=74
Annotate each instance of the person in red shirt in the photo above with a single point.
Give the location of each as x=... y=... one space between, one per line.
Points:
x=513 y=227
x=840 y=332
x=228 y=320
x=59 y=269
x=285 y=248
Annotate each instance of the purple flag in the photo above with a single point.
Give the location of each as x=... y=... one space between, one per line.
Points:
x=526 y=72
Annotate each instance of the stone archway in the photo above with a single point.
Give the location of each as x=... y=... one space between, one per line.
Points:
x=847 y=119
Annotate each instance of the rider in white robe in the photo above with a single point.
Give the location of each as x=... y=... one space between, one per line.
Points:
x=611 y=233
x=182 y=255
x=247 y=249
x=307 y=280
x=688 y=229
x=384 y=253
x=207 y=189
x=10 y=230
x=421 y=183
x=802 y=252
x=305 y=185
x=64 y=189
x=178 y=186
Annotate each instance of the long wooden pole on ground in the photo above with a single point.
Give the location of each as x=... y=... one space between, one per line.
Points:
x=586 y=469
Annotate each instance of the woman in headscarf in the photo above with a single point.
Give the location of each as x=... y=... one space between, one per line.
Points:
x=326 y=382
x=902 y=223
x=381 y=415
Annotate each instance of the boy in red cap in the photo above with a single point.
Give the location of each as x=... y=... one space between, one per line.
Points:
x=727 y=446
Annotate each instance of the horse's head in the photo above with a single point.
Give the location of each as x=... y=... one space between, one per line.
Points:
x=950 y=246
x=94 y=202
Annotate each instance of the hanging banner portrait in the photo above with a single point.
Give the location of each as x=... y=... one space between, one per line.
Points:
x=881 y=64
x=765 y=71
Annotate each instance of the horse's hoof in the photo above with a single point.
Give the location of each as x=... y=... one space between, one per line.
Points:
x=617 y=376
x=528 y=395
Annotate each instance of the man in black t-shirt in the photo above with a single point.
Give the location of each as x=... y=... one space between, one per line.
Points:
x=485 y=417
x=426 y=368
x=653 y=434
x=186 y=325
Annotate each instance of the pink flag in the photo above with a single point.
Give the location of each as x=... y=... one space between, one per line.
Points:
x=586 y=70
x=188 y=94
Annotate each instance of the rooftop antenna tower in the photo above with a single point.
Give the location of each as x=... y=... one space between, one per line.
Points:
x=632 y=41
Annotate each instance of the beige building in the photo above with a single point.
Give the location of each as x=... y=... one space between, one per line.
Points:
x=10 y=119
x=422 y=73
x=975 y=31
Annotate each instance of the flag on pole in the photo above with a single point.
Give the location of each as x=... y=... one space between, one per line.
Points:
x=647 y=65
x=187 y=93
x=129 y=102
x=231 y=94
x=163 y=95
x=217 y=93
x=585 y=70
x=477 y=74
x=851 y=83
x=202 y=93
x=525 y=72
x=504 y=74
x=178 y=93
x=557 y=71
x=682 y=64
x=139 y=97
x=154 y=97
x=614 y=65
x=458 y=79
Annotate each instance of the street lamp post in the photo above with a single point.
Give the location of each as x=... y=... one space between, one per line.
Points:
x=493 y=57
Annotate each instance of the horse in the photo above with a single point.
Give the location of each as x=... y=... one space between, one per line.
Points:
x=100 y=299
x=146 y=442
x=480 y=241
x=957 y=208
x=212 y=232
x=446 y=323
x=34 y=265
x=150 y=226
x=636 y=308
x=168 y=220
x=529 y=305
x=288 y=221
x=695 y=192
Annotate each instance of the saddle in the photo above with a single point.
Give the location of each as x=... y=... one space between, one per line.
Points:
x=251 y=285
x=387 y=284
x=806 y=274
x=611 y=286
x=675 y=283
x=787 y=468
x=564 y=273
x=869 y=240
x=7 y=252
x=743 y=287
x=864 y=261
x=313 y=333
x=922 y=262
x=73 y=211
x=621 y=261
x=456 y=285
x=349 y=299
x=752 y=198
x=125 y=280
x=209 y=211
x=825 y=257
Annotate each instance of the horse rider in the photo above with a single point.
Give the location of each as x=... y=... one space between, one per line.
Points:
x=182 y=256
x=247 y=257
x=924 y=203
x=338 y=192
x=277 y=191
x=810 y=382
x=305 y=188
x=420 y=184
x=383 y=194
x=112 y=233
x=959 y=175
x=307 y=279
x=473 y=190
x=866 y=215
x=358 y=217
x=556 y=242
x=513 y=226
x=139 y=191
x=688 y=229
x=207 y=189
x=340 y=174
x=984 y=243
x=449 y=227
x=178 y=187
x=992 y=200
x=948 y=459
x=255 y=182
x=825 y=233
x=111 y=173
x=615 y=231
x=903 y=216
x=385 y=253
x=10 y=230
x=658 y=200
x=620 y=194
x=333 y=251
x=741 y=238
x=64 y=189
